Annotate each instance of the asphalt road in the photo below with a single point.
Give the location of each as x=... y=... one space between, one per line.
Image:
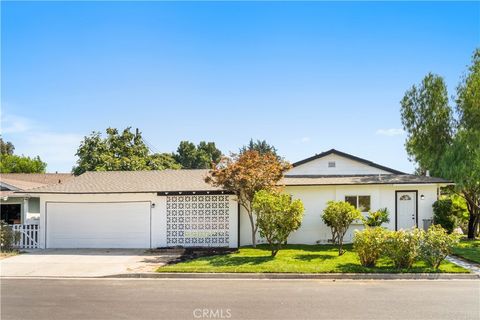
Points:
x=238 y=299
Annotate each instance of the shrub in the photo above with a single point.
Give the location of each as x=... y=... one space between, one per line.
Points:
x=8 y=237
x=369 y=245
x=451 y=213
x=403 y=247
x=377 y=218
x=338 y=215
x=437 y=244
x=277 y=216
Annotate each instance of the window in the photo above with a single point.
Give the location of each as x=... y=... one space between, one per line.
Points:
x=405 y=197
x=331 y=164
x=362 y=203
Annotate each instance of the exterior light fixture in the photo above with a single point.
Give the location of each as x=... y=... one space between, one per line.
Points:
x=422 y=197
x=153 y=205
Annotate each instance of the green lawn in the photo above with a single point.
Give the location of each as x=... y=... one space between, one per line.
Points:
x=468 y=249
x=295 y=258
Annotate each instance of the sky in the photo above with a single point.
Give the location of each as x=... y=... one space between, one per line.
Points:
x=307 y=77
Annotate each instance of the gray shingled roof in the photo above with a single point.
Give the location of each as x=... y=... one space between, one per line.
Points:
x=133 y=182
x=307 y=180
x=194 y=180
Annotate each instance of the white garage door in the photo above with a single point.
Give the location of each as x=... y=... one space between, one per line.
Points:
x=98 y=225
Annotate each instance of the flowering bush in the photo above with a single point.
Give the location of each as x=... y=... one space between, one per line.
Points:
x=369 y=245
x=437 y=244
x=403 y=247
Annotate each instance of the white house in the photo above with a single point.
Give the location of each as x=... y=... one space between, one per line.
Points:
x=149 y=209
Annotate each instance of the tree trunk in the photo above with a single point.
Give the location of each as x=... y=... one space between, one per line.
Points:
x=471 y=227
x=254 y=230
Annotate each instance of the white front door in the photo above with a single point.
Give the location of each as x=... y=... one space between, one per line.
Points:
x=406 y=209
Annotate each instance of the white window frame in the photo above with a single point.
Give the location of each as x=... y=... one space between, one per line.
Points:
x=357 y=196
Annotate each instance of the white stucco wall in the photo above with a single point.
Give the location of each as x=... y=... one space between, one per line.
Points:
x=158 y=217
x=342 y=166
x=314 y=198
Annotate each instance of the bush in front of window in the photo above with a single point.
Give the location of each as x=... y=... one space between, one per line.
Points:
x=338 y=215
x=376 y=218
x=369 y=245
x=403 y=247
x=437 y=244
x=8 y=237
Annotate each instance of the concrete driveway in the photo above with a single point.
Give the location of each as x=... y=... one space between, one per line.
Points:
x=82 y=262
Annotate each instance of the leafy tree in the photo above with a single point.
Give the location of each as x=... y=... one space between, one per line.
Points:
x=8 y=237
x=277 y=216
x=261 y=146
x=450 y=212
x=427 y=119
x=245 y=175
x=376 y=218
x=338 y=215
x=448 y=148
x=21 y=164
x=6 y=148
x=197 y=157
x=119 y=151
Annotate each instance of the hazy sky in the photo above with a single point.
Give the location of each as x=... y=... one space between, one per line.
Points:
x=306 y=77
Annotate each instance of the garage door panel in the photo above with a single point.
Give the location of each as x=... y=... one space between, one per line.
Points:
x=98 y=225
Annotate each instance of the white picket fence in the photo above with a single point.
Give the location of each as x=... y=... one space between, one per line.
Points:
x=29 y=236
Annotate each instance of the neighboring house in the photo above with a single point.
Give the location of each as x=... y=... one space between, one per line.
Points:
x=148 y=209
x=17 y=206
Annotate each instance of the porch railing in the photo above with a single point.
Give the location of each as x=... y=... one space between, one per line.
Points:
x=29 y=236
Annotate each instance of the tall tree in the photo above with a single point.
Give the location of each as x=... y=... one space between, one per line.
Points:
x=261 y=146
x=10 y=163
x=201 y=156
x=427 y=119
x=246 y=174
x=447 y=148
x=6 y=147
x=119 y=151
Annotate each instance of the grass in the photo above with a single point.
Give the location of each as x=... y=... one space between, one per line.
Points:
x=297 y=259
x=469 y=250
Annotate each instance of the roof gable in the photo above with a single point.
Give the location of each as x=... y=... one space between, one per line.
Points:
x=344 y=164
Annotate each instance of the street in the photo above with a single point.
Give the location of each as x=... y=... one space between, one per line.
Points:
x=238 y=299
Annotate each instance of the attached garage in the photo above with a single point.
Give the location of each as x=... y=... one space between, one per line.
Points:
x=98 y=224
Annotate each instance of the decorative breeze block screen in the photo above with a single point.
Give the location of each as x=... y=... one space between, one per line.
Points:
x=198 y=221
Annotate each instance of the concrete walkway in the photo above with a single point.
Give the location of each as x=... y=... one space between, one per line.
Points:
x=82 y=262
x=472 y=267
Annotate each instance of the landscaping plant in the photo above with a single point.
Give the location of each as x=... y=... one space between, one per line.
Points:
x=8 y=237
x=451 y=213
x=369 y=245
x=437 y=244
x=277 y=216
x=403 y=247
x=246 y=174
x=376 y=218
x=338 y=215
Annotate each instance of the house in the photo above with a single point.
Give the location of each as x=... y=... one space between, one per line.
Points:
x=148 y=209
x=17 y=205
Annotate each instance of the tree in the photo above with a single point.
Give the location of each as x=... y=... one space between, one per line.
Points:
x=246 y=174
x=338 y=215
x=201 y=156
x=6 y=148
x=21 y=164
x=119 y=151
x=448 y=148
x=261 y=146
x=277 y=216
x=427 y=119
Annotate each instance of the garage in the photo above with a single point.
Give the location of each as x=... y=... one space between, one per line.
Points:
x=98 y=224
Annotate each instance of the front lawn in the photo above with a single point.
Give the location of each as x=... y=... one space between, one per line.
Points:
x=296 y=258
x=468 y=249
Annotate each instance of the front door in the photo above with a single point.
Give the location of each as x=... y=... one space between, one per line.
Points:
x=406 y=209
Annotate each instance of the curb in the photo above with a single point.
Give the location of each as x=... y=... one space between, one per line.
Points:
x=292 y=276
